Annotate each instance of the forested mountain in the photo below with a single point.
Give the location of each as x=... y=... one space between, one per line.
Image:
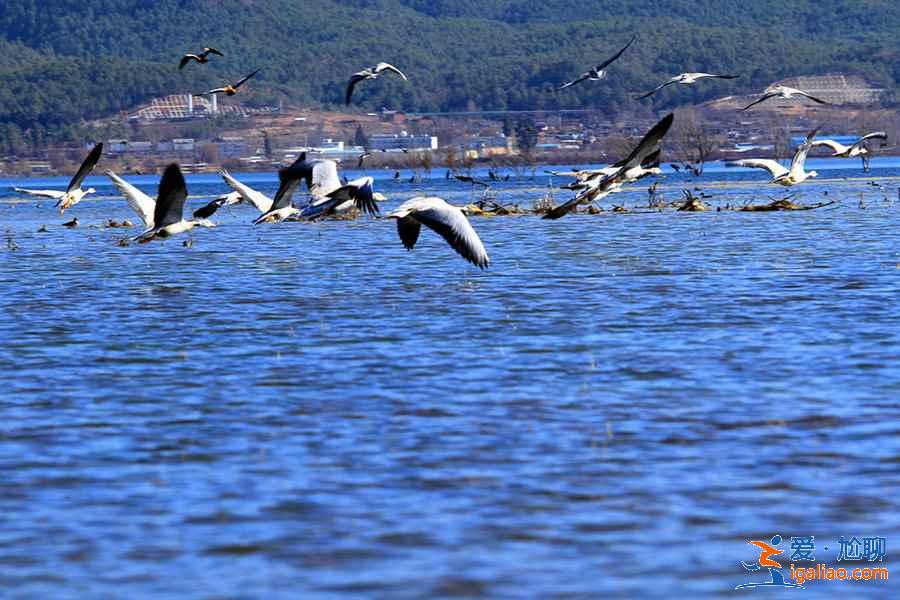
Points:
x=62 y=61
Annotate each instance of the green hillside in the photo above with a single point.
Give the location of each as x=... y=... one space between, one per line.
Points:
x=62 y=61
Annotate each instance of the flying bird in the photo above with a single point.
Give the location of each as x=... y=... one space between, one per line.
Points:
x=599 y=72
x=230 y=89
x=168 y=210
x=201 y=58
x=686 y=79
x=358 y=192
x=144 y=206
x=371 y=73
x=781 y=91
x=328 y=194
x=638 y=164
x=73 y=193
x=317 y=176
x=857 y=148
x=446 y=220
x=781 y=174
x=648 y=166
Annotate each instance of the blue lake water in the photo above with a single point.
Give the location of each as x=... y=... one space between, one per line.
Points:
x=613 y=409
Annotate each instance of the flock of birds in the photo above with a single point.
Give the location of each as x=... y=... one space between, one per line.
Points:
x=163 y=217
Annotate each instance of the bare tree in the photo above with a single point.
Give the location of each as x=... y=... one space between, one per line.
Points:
x=692 y=139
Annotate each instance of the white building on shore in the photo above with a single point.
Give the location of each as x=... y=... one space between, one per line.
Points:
x=402 y=141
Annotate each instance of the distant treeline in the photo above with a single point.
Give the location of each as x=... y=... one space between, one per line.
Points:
x=63 y=62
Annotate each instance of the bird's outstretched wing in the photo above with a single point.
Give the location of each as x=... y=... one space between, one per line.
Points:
x=836 y=147
x=760 y=100
x=260 y=201
x=714 y=76
x=408 y=229
x=55 y=194
x=811 y=97
x=383 y=66
x=186 y=59
x=656 y=89
x=289 y=178
x=244 y=80
x=799 y=161
x=171 y=198
x=208 y=210
x=351 y=85
x=86 y=167
x=569 y=84
x=142 y=204
x=212 y=51
x=877 y=135
x=360 y=191
x=590 y=191
x=649 y=144
x=322 y=177
x=774 y=168
x=450 y=223
x=615 y=56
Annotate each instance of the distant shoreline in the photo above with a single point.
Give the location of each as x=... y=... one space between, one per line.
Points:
x=504 y=166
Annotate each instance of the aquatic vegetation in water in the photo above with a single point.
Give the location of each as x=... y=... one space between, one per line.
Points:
x=691 y=203
x=783 y=204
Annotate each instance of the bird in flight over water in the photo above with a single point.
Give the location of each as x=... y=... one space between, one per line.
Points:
x=781 y=175
x=168 y=219
x=73 y=193
x=444 y=219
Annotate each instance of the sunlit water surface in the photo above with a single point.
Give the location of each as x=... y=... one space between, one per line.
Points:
x=614 y=408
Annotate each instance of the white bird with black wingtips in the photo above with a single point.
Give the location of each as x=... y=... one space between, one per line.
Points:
x=686 y=79
x=356 y=193
x=781 y=175
x=144 y=206
x=168 y=219
x=783 y=92
x=857 y=148
x=642 y=161
x=289 y=177
x=369 y=74
x=73 y=193
x=446 y=220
